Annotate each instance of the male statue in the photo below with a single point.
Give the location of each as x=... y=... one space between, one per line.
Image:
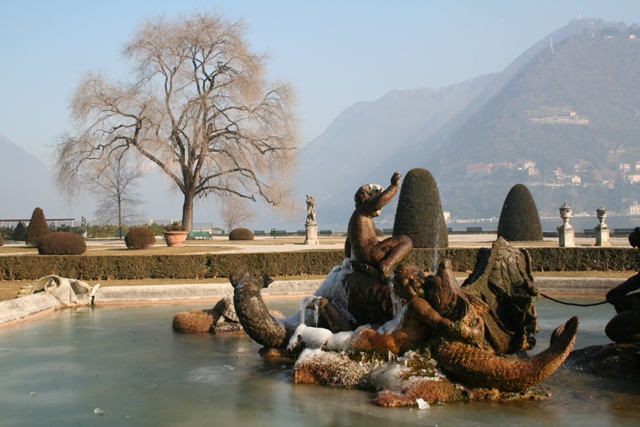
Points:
x=362 y=244
x=311 y=210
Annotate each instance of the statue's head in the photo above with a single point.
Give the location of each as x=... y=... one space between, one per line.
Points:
x=366 y=193
x=408 y=281
x=237 y=276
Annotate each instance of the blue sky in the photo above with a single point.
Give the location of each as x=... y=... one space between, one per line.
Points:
x=335 y=52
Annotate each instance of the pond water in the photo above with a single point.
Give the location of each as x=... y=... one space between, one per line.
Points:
x=128 y=364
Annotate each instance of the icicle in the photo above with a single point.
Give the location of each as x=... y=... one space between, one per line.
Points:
x=396 y=302
x=305 y=305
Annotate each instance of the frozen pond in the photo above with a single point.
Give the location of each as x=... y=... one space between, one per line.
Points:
x=129 y=363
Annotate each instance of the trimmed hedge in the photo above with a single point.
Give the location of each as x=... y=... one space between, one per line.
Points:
x=519 y=220
x=140 y=238
x=20 y=233
x=298 y=263
x=62 y=243
x=38 y=228
x=241 y=234
x=419 y=214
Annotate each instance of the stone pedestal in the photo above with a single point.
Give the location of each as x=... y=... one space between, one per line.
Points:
x=602 y=230
x=602 y=236
x=567 y=236
x=566 y=232
x=312 y=233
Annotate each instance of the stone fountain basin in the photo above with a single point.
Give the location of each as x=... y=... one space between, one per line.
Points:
x=126 y=361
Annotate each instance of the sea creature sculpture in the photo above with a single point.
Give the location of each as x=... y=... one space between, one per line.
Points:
x=456 y=325
x=466 y=329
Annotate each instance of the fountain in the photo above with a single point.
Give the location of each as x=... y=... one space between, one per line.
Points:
x=448 y=343
x=127 y=362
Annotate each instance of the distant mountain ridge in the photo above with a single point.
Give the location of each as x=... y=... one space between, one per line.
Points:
x=568 y=106
x=571 y=114
x=361 y=139
x=26 y=184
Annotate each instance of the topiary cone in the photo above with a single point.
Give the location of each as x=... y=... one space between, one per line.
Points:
x=519 y=219
x=419 y=213
x=20 y=232
x=38 y=228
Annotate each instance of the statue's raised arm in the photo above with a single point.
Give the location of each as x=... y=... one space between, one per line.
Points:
x=362 y=243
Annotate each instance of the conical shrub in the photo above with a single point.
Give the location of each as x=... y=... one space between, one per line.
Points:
x=419 y=213
x=519 y=219
x=38 y=228
x=20 y=232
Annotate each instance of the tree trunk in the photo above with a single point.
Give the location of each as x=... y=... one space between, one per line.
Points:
x=120 y=217
x=187 y=212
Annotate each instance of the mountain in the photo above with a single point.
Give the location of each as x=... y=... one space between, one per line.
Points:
x=565 y=124
x=27 y=184
x=363 y=137
x=562 y=118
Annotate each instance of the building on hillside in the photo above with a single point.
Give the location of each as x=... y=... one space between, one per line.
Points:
x=478 y=169
x=634 y=209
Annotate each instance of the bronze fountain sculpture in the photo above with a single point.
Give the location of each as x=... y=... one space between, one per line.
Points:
x=387 y=325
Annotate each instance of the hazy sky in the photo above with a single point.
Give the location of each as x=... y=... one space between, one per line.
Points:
x=335 y=52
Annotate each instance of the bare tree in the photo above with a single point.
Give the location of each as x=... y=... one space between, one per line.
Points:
x=198 y=106
x=235 y=212
x=113 y=187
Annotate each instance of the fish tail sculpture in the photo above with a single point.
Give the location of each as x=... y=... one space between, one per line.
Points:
x=479 y=368
x=254 y=315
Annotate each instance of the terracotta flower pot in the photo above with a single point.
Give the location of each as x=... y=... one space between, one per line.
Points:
x=175 y=238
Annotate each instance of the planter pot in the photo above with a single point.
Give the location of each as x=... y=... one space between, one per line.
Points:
x=175 y=238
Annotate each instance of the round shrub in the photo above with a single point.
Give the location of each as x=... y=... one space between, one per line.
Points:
x=241 y=234
x=634 y=238
x=519 y=219
x=62 y=243
x=139 y=238
x=20 y=233
x=419 y=213
x=37 y=229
